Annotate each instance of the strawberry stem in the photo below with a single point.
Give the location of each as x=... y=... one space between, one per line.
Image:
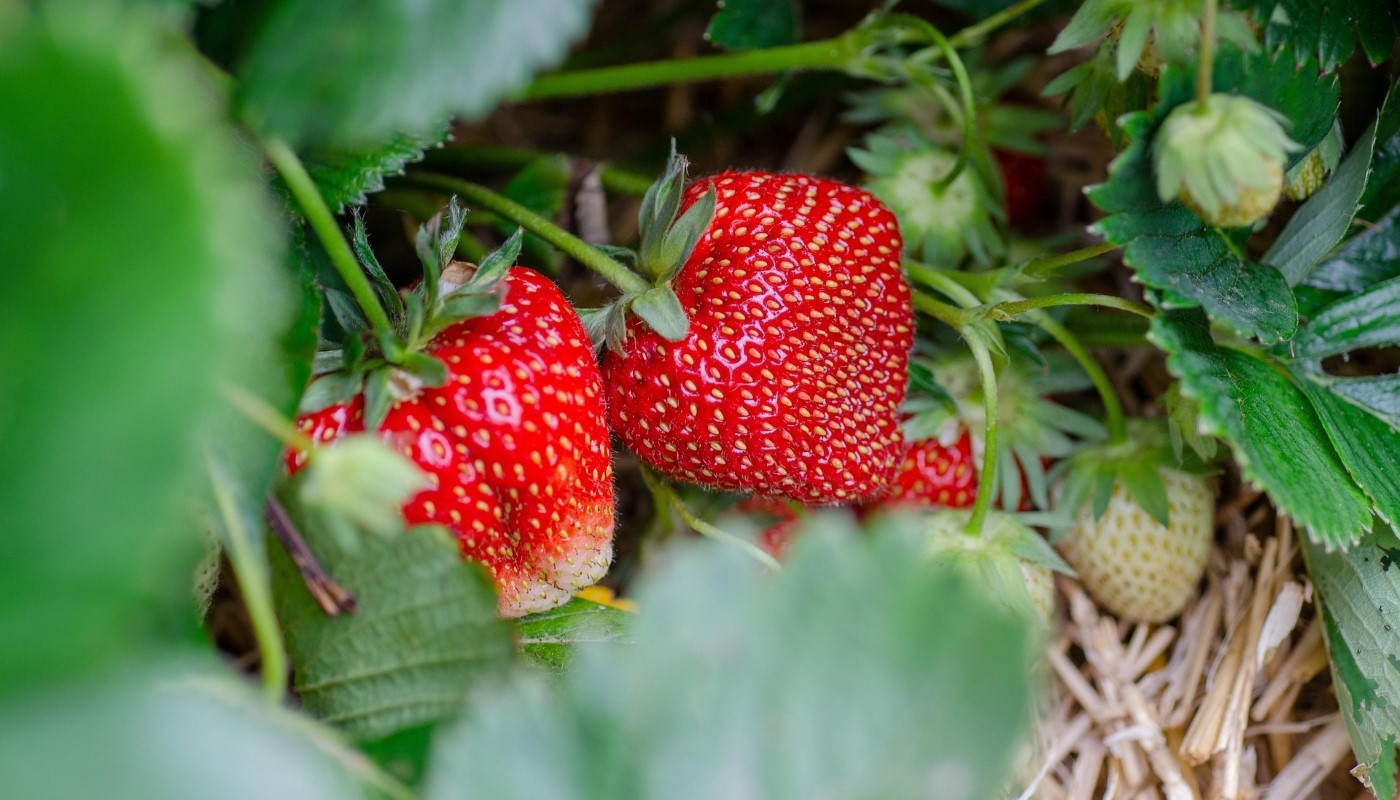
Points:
x=1048 y=265
x=319 y=216
x=1112 y=406
x=255 y=583
x=1005 y=312
x=660 y=488
x=501 y=159
x=968 y=113
x=613 y=271
x=1205 y=69
x=986 y=479
x=835 y=53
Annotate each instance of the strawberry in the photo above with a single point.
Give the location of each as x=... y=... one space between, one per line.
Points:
x=787 y=381
x=1023 y=183
x=1009 y=559
x=936 y=475
x=513 y=443
x=1142 y=520
x=1223 y=159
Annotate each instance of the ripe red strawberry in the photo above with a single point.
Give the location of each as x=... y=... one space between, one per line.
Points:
x=514 y=445
x=789 y=379
x=935 y=474
x=1023 y=181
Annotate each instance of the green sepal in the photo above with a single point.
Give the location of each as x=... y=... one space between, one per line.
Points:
x=336 y=388
x=659 y=207
x=595 y=324
x=383 y=287
x=495 y=266
x=1183 y=425
x=426 y=368
x=436 y=243
x=464 y=305
x=683 y=235
x=352 y=356
x=415 y=319
x=379 y=395
x=329 y=361
x=661 y=309
x=616 y=335
x=618 y=253
x=1144 y=485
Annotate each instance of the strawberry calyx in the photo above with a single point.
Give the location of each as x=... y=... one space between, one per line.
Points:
x=668 y=236
x=1090 y=475
x=396 y=366
x=947 y=207
x=1033 y=430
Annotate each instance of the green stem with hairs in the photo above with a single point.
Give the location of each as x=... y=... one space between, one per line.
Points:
x=950 y=315
x=943 y=283
x=1048 y=265
x=611 y=270
x=1112 y=406
x=973 y=34
x=968 y=113
x=1205 y=68
x=322 y=222
x=255 y=583
x=833 y=53
x=1004 y=312
x=986 y=480
x=661 y=489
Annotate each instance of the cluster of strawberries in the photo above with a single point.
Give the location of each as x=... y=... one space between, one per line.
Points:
x=786 y=386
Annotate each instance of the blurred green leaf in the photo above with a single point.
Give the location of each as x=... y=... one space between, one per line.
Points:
x=1383 y=189
x=843 y=676
x=551 y=638
x=348 y=177
x=750 y=24
x=1366 y=259
x=379 y=68
x=155 y=732
x=148 y=278
x=1327 y=32
x=1359 y=594
x=1368 y=446
x=1277 y=439
x=423 y=635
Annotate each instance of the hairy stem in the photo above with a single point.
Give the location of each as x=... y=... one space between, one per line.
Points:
x=986 y=480
x=1205 y=69
x=1112 y=406
x=949 y=315
x=254 y=581
x=1008 y=310
x=611 y=270
x=322 y=222
x=941 y=282
x=833 y=53
x=1048 y=265
x=661 y=489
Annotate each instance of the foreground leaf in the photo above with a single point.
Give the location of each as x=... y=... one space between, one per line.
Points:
x=348 y=177
x=844 y=676
x=154 y=733
x=135 y=286
x=425 y=632
x=379 y=68
x=1359 y=594
x=748 y=24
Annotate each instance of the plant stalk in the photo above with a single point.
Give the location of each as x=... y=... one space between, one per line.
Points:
x=1048 y=265
x=986 y=480
x=1205 y=69
x=1006 y=311
x=322 y=222
x=661 y=489
x=610 y=269
x=1112 y=406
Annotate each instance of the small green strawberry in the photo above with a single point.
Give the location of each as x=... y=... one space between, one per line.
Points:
x=1011 y=560
x=1141 y=525
x=1223 y=159
x=1308 y=175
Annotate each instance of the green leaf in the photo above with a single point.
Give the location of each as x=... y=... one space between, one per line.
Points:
x=551 y=638
x=751 y=24
x=817 y=682
x=1383 y=189
x=661 y=309
x=1367 y=445
x=496 y=264
x=1359 y=595
x=163 y=732
x=1364 y=260
x=1325 y=218
x=380 y=68
x=1368 y=319
x=140 y=276
x=425 y=632
x=346 y=177
x=1277 y=439
x=1327 y=32
x=1171 y=250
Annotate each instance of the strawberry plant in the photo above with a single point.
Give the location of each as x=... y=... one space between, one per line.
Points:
x=767 y=398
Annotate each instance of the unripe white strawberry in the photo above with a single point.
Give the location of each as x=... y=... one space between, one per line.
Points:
x=1135 y=566
x=1222 y=158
